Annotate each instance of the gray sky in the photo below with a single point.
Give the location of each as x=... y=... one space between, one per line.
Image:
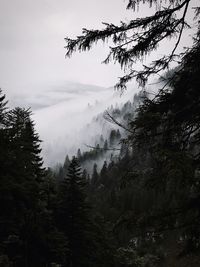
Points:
x=32 y=41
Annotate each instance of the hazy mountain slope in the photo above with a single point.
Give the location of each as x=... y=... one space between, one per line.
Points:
x=62 y=114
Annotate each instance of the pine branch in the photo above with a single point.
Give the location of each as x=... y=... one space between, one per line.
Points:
x=136 y=39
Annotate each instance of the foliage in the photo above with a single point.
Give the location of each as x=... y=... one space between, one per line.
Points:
x=135 y=39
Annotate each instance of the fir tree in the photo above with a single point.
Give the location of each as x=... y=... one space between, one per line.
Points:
x=105 y=146
x=25 y=144
x=66 y=163
x=103 y=173
x=4 y=138
x=79 y=154
x=3 y=104
x=112 y=137
x=5 y=176
x=95 y=176
x=74 y=217
x=84 y=174
x=24 y=177
x=101 y=140
x=118 y=135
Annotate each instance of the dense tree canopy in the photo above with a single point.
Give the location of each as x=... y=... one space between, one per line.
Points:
x=163 y=138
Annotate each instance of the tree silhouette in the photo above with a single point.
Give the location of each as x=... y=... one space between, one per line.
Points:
x=74 y=217
x=136 y=39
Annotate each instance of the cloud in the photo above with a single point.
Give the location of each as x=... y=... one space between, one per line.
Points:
x=64 y=117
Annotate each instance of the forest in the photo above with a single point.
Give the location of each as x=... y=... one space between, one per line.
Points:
x=132 y=199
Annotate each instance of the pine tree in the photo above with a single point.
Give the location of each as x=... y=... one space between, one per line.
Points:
x=112 y=137
x=105 y=147
x=79 y=154
x=63 y=169
x=4 y=139
x=25 y=144
x=5 y=175
x=84 y=174
x=24 y=176
x=118 y=135
x=95 y=176
x=74 y=217
x=3 y=104
x=101 y=140
x=103 y=173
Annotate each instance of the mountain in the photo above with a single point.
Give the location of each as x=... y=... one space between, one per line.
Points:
x=65 y=114
x=106 y=133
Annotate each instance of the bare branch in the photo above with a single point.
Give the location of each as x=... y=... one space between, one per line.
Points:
x=110 y=118
x=101 y=148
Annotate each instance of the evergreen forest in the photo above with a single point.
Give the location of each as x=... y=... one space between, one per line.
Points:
x=133 y=198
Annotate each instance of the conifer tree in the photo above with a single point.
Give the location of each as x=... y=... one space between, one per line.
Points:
x=5 y=185
x=63 y=169
x=105 y=146
x=101 y=140
x=74 y=218
x=4 y=140
x=95 y=176
x=79 y=154
x=103 y=173
x=112 y=137
x=118 y=135
x=25 y=144
x=24 y=176
x=3 y=104
x=66 y=163
x=84 y=174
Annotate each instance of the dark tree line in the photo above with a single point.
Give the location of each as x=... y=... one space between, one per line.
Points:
x=21 y=177
x=42 y=220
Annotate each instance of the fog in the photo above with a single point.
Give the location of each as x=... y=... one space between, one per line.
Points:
x=68 y=124
x=64 y=115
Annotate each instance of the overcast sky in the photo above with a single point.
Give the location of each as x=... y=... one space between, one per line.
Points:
x=32 y=41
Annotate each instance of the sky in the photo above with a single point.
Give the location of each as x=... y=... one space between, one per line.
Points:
x=32 y=42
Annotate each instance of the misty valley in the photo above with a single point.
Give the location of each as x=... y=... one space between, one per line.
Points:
x=102 y=204
x=93 y=175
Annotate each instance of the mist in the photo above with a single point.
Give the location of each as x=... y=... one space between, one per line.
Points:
x=64 y=115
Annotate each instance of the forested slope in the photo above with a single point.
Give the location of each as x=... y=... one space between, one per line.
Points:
x=141 y=208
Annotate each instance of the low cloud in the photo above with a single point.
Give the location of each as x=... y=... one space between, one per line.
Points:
x=64 y=117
